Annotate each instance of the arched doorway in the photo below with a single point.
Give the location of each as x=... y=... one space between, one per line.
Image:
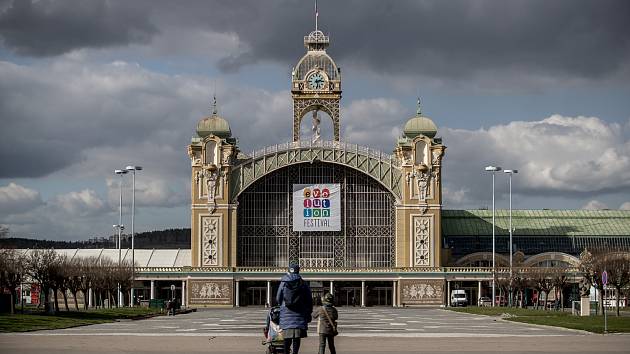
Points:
x=265 y=233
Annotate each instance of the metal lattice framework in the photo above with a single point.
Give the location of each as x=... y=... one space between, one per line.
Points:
x=382 y=167
x=302 y=106
x=265 y=233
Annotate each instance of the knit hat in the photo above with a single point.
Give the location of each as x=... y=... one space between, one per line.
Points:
x=294 y=268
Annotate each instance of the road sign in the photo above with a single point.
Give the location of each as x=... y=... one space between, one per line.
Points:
x=604 y=277
x=172 y=287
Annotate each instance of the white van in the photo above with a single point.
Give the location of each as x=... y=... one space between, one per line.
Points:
x=459 y=298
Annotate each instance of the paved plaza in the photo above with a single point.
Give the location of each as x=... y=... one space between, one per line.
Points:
x=363 y=330
x=353 y=322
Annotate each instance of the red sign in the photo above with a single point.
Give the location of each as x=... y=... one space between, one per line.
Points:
x=35 y=294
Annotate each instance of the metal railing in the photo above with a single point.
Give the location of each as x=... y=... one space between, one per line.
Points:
x=335 y=145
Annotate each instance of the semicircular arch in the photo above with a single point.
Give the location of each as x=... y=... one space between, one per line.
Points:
x=473 y=259
x=383 y=171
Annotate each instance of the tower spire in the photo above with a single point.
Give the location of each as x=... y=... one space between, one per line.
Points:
x=214 y=104
x=418 y=110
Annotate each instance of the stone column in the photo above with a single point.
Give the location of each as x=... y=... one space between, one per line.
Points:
x=152 y=289
x=237 y=294
x=448 y=293
x=363 y=293
x=332 y=288
x=131 y=298
x=184 y=300
x=89 y=299
x=394 y=293
x=269 y=300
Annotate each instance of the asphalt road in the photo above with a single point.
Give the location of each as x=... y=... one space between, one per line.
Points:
x=372 y=330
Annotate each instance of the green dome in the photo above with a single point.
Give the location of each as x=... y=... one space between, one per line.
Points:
x=214 y=125
x=420 y=125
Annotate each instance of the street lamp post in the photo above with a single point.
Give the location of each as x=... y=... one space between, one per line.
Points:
x=120 y=226
x=510 y=173
x=493 y=169
x=133 y=170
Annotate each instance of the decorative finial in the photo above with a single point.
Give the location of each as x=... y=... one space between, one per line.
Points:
x=214 y=105
x=418 y=110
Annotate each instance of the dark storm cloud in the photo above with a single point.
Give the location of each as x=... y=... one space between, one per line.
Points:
x=46 y=28
x=446 y=39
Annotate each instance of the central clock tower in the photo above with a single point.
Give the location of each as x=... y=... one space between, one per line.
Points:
x=316 y=83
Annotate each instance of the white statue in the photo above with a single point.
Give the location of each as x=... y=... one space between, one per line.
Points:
x=316 y=129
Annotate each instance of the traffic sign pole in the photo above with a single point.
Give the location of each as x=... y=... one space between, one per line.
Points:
x=604 y=283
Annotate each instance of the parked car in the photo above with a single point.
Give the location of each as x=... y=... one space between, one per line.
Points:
x=485 y=301
x=459 y=298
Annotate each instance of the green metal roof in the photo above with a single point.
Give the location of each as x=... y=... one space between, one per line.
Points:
x=537 y=222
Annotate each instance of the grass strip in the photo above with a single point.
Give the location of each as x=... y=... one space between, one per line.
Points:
x=40 y=321
x=593 y=324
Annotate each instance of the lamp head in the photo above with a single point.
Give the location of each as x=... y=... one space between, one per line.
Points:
x=133 y=168
x=121 y=172
x=492 y=168
x=510 y=171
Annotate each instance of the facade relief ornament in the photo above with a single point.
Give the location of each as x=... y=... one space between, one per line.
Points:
x=437 y=156
x=210 y=241
x=212 y=175
x=210 y=292
x=421 y=241
x=422 y=292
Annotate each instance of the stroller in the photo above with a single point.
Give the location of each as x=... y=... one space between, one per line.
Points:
x=273 y=333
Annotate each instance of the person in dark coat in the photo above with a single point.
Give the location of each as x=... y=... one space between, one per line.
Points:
x=327 y=324
x=296 y=305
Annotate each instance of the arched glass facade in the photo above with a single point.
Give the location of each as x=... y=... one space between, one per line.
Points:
x=265 y=233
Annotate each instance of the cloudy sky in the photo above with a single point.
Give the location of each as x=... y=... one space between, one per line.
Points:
x=88 y=86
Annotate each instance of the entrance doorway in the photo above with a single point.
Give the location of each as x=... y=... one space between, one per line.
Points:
x=380 y=296
x=253 y=293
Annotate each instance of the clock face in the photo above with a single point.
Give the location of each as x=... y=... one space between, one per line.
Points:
x=316 y=81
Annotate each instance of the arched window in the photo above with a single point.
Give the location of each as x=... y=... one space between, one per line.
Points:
x=421 y=154
x=211 y=147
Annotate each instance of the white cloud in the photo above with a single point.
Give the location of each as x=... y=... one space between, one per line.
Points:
x=16 y=199
x=594 y=205
x=150 y=192
x=556 y=155
x=375 y=122
x=83 y=203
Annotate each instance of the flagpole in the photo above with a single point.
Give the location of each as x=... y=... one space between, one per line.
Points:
x=316 y=15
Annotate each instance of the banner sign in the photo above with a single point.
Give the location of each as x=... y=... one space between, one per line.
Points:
x=316 y=207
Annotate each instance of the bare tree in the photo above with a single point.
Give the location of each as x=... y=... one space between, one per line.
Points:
x=40 y=267
x=542 y=281
x=560 y=281
x=11 y=273
x=87 y=269
x=618 y=268
x=123 y=277
x=74 y=279
x=520 y=282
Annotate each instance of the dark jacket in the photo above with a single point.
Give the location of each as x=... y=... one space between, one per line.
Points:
x=323 y=325
x=300 y=316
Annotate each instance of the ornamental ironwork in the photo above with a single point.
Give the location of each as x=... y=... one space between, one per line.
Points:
x=384 y=168
x=265 y=231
